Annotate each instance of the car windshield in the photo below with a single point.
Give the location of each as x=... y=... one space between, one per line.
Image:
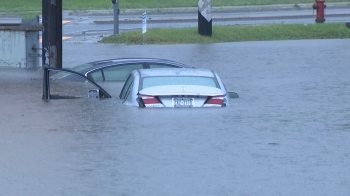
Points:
x=178 y=80
x=76 y=68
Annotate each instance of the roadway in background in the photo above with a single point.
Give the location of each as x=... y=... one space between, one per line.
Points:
x=91 y=26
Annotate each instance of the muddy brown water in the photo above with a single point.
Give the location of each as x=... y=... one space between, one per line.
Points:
x=287 y=134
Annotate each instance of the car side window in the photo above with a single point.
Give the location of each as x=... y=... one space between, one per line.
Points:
x=120 y=73
x=160 y=66
x=96 y=76
x=127 y=87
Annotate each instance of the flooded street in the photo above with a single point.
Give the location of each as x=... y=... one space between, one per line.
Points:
x=287 y=134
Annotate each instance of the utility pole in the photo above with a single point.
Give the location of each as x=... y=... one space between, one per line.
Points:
x=116 y=17
x=52 y=33
x=204 y=17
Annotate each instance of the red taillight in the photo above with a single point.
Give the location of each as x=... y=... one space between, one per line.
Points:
x=217 y=100
x=149 y=99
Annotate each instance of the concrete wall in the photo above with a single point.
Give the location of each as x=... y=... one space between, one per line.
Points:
x=13 y=48
x=19 y=42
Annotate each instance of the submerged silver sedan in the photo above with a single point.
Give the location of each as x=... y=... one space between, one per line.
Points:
x=172 y=87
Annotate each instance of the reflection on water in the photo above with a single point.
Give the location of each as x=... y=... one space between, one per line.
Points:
x=287 y=134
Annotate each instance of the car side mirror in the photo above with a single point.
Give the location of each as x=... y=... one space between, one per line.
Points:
x=233 y=95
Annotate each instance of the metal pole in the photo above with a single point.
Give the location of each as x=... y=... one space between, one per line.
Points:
x=52 y=33
x=45 y=34
x=116 y=18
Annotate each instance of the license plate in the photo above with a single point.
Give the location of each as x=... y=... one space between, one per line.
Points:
x=183 y=101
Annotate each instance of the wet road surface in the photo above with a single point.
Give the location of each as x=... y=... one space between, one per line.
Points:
x=287 y=134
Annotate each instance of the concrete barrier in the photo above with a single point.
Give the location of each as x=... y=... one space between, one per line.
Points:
x=19 y=42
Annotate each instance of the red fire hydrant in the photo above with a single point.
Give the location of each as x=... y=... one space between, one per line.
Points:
x=319 y=6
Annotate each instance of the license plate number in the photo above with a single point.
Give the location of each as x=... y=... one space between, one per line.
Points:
x=183 y=102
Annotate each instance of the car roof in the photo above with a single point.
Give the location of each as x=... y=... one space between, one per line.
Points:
x=135 y=60
x=176 y=72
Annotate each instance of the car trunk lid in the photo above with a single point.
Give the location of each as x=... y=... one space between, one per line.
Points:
x=182 y=96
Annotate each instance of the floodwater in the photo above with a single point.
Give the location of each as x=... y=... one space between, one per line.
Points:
x=287 y=134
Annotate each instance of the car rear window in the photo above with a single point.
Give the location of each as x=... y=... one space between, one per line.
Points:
x=178 y=80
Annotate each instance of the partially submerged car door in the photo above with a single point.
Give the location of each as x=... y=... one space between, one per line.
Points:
x=79 y=87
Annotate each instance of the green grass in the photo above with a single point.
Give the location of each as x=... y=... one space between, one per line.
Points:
x=233 y=34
